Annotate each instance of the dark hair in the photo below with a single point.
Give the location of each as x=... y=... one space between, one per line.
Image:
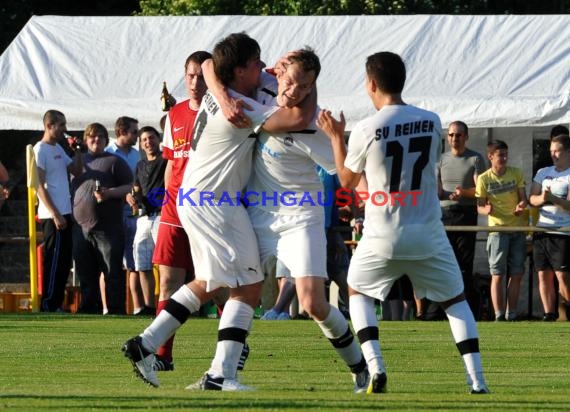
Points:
x=388 y=70
x=558 y=129
x=123 y=123
x=563 y=139
x=52 y=116
x=461 y=125
x=95 y=129
x=236 y=50
x=495 y=145
x=197 y=57
x=307 y=59
x=149 y=129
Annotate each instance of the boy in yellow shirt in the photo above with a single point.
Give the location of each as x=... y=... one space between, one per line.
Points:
x=501 y=196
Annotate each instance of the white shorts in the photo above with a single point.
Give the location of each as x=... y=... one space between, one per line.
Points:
x=437 y=277
x=145 y=239
x=298 y=241
x=223 y=245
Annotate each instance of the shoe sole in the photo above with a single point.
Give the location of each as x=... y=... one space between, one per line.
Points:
x=210 y=385
x=136 y=370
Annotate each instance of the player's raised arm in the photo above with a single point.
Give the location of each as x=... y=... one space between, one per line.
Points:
x=334 y=129
x=232 y=108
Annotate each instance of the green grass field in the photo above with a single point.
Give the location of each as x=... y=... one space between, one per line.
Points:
x=71 y=362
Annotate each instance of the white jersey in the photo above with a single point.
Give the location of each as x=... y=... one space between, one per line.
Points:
x=53 y=160
x=221 y=154
x=551 y=215
x=398 y=148
x=284 y=176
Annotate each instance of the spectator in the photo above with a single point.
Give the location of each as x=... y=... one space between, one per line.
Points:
x=458 y=170
x=550 y=192
x=98 y=239
x=149 y=176
x=501 y=196
x=126 y=132
x=543 y=159
x=54 y=209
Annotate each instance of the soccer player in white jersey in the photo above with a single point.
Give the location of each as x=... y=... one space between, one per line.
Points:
x=223 y=244
x=286 y=209
x=398 y=149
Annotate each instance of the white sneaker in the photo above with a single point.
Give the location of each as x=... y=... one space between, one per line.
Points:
x=271 y=314
x=207 y=383
x=142 y=360
x=361 y=381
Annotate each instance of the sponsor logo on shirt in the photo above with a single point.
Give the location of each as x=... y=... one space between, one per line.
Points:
x=179 y=154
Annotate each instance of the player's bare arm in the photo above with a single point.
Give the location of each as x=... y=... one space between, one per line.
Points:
x=334 y=129
x=288 y=119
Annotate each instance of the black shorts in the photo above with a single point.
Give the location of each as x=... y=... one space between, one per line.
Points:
x=551 y=252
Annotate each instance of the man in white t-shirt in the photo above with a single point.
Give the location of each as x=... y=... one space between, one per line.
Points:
x=222 y=241
x=398 y=149
x=285 y=197
x=550 y=192
x=54 y=209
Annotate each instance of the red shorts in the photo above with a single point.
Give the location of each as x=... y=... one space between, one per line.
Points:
x=172 y=248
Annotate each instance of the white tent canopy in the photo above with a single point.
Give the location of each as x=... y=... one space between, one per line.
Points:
x=490 y=71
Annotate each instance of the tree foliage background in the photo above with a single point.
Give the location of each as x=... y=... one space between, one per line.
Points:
x=14 y=14
x=350 y=7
